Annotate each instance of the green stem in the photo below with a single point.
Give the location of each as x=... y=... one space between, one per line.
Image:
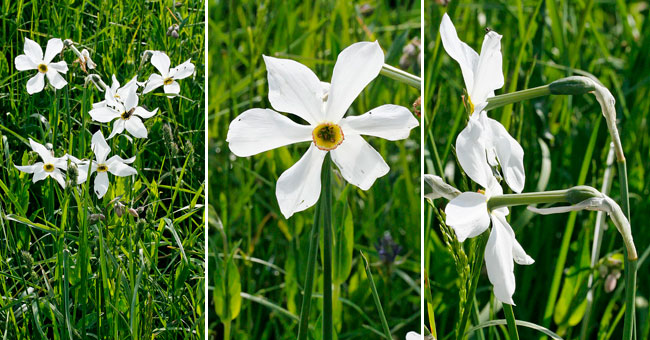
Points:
x=476 y=271
x=630 y=293
x=226 y=330
x=514 y=97
x=401 y=76
x=510 y=318
x=555 y=196
x=375 y=296
x=303 y=326
x=328 y=327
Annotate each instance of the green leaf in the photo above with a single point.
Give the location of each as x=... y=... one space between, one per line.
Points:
x=227 y=290
x=343 y=246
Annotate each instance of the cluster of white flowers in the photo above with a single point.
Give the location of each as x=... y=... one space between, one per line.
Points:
x=483 y=148
x=120 y=105
x=295 y=89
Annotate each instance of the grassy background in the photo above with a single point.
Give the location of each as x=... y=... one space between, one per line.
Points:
x=64 y=274
x=565 y=140
x=269 y=251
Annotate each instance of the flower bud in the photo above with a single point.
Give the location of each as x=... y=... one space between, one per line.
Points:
x=439 y=188
x=572 y=85
x=119 y=208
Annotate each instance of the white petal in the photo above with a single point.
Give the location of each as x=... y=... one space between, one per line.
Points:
x=115 y=85
x=101 y=184
x=100 y=147
x=161 y=61
x=118 y=127
x=356 y=66
x=155 y=81
x=437 y=188
x=136 y=127
x=298 y=188
x=36 y=83
x=39 y=174
x=130 y=101
x=33 y=51
x=60 y=66
x=55 y=79
x=60 y=162
x=141 y=112
x=470 y=149
x=182 y=71
x=103 y=114
x=510 y=155
x=413 y=336
x=173 y=88
x=54 y=47
x=58 y=176
x=468 y=215
x=41 y=150
x=360 y=163
x=488 y=75
x=392 y=122
x=24 y=63
x=259 y=130
x=30 y=169
x=117 y=166
x=499 y=261
x=294 y=88
x=83 y=172
x=466 y=57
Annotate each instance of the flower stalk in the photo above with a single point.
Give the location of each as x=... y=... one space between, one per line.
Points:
x=326 y=200
x=510 y=319
x=401 y=76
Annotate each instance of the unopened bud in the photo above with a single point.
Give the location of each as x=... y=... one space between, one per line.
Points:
x=572 y=85
x=133 y=212
x=118 y=207
x=439 y=188
x=96 y=217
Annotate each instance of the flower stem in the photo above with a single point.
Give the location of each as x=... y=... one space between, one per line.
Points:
x=401 y=76
x=555 y=196
x=514 y=97
x=476 y=272
x=326 y=200
x=375 y=295
x=510 y=318
x=303 y=326
x=630 y=293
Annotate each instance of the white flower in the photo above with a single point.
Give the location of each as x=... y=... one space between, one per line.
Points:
x=49 y=167
x=295 y=89
x=116 y=94
x=484 y=143
x=167 y=77
x=90 y=64
x=126 y=113
x=102 y=166
x=413 y=336
x=33 y=59
x=469 y=216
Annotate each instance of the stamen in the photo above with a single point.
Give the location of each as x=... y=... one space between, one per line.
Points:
x=42 y=68
x=327 y=136
x=102 y=168
x=48 y=167
x=127 y=114
x=168 y=81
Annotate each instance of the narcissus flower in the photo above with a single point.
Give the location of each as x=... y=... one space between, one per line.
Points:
x=118 y=94
x=49 y=167
x=484 y=144
x=469 y=216
x=33 y=59
x=102 y=166
x=167 y=77
x=295 y=89
x=127 y=115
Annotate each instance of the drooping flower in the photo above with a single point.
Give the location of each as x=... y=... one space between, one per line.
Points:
x=50 y=166
x=127 y=115
x=87 y=61
x=167 y=77
x=118 y=94
x=102 y=166
x=295 y=89
x=33 y=59
x=469 y=216
x=484 y=144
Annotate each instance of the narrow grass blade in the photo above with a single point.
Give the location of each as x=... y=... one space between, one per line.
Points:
x=375 y=296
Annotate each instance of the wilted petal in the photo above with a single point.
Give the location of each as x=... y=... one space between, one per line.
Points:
x=360 y=163
x=259 y=130
x=136 y=127
x=33 y=51
x=155 y=81
x=470 y=149
x=100 y=147
x=438 y=188
x=468 y=215
x=117 y=166
x=36 y=83
x=24 y=63
x=499 y=260
x=509 y=153
x=182 y=71
x=55 y=79
x=466 y=57
x=298 y=188
x=161 y=61
x=173 y=88
x=356 y=66
x=101 y=184
x=489 y=71
x=103 y=114
x=392 y=122
x=54 y=47
x=294 y=88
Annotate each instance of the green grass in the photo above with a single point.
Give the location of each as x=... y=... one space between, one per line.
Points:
x=64 y=273
x=265 y=254
x=566 y=142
